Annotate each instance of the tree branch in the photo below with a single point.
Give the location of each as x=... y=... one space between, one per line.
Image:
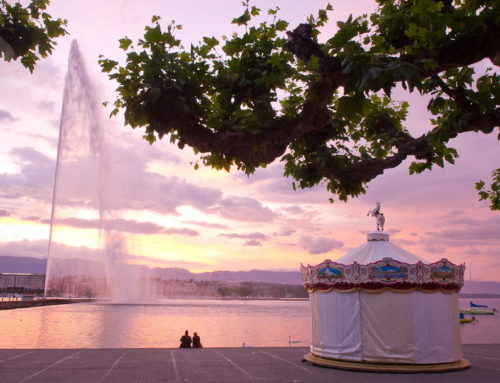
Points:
x=368 y=169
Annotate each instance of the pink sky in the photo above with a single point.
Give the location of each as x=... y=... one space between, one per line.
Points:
x=217 y=220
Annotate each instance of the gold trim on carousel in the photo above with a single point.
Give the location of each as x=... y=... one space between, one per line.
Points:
x=387 y=288
x=386 y=367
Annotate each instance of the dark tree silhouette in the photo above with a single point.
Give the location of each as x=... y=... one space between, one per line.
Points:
x=325 y=109
x=28 y=32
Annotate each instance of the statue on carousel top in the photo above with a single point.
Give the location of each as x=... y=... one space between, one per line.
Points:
x=378 y=216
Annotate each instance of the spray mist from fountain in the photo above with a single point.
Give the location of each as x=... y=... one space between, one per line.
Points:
x=87 y=253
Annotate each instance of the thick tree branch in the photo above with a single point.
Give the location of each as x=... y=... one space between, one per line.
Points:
x=273 y=141
x=265 y=147
x=225 y=107
x=472 y=46
x=456 y=94
x=368 y=169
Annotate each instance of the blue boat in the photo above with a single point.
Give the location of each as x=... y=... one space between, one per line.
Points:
x=472 y=304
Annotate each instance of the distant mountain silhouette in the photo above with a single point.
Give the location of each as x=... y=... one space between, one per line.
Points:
x=284 y=277
x=480 y=287
x=10 y=264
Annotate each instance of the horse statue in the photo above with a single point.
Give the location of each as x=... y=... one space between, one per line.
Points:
x=380 y=222
x=378 y=216
x=375 y=212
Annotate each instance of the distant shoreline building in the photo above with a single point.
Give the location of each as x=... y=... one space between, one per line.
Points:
x=22 y=283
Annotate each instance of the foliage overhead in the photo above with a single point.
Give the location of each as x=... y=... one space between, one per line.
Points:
x=325 y=109
x=28 y=32
x=493 y=193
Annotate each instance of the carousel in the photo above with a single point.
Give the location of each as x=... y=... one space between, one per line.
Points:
x=382 y=308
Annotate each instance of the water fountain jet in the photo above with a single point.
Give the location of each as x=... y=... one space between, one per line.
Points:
x=82 y=209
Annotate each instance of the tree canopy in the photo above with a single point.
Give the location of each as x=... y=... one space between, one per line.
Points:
x=28 y=32
x=325 y=109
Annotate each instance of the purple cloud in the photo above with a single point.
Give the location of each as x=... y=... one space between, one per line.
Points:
x=482 y=232
x=393 y=231
x=112 y=224
x=25 y=248
x=10 y=195
x=252 y=242
x=294 y=209
x=435 y=249
x=181 y=231
x=243 y=209
x=274 y=186
x=441 y=188
x=34 y=218
x=128 y=186
x=286 y=232
x=404 y=242
x=261 y=174
x=121 y=225
x=4 y=213
x=249 y=236
x=47 y=106
x=319 y=245
x=35 y=180
x=134 y=187
x=210 y=225
x=6 y=116
x=463 y=221
x=158 y=262
x=280 y=189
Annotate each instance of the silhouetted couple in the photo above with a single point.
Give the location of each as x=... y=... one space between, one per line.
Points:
x=186 y=341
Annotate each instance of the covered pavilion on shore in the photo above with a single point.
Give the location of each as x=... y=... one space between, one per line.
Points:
x=382 y=308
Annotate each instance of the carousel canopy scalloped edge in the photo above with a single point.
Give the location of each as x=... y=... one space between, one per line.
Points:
x=386 y=274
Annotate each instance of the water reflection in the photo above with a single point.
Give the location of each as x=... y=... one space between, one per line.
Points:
x=219 y=323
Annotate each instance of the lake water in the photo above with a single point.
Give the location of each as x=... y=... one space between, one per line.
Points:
x=219 y=323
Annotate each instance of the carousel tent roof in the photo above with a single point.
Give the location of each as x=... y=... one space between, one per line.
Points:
x=376 y=248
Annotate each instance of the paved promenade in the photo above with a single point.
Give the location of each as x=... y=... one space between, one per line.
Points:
x=219 y=365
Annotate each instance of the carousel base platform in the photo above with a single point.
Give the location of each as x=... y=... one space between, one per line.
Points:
x=386 y=367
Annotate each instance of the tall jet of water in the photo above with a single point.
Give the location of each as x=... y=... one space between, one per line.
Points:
x=86 y=251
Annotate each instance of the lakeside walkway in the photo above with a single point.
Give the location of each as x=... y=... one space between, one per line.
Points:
x=23 y=304
x=217 y=365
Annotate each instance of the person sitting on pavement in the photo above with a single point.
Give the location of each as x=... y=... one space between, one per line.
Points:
x=185 y=340
x=196 y=341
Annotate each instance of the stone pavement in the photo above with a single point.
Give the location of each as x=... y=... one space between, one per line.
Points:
x=252 y=364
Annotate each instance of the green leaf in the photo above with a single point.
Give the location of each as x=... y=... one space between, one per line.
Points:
x=125 y=43
x=243 y=19
x=150 y=137
x=480 y=185
x=153 y=35
x=210 y=41
x=107 y=65
x=281 y=25
x=349 y=106
x=254 y=11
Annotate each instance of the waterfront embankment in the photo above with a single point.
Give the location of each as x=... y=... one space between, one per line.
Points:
x=215 y=365
x=20 y=304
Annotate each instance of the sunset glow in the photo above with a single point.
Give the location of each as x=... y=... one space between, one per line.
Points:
x=171 y=215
